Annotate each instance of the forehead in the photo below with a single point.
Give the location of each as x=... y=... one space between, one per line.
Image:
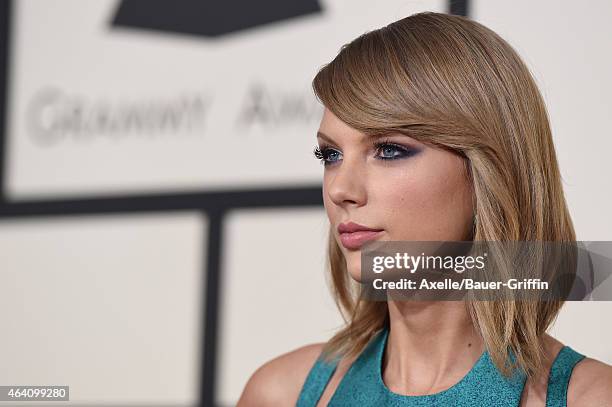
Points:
x=333 y=128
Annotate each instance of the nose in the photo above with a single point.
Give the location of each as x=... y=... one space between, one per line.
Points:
x=346 y=184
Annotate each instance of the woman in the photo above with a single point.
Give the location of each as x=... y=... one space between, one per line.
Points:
x=434 y=129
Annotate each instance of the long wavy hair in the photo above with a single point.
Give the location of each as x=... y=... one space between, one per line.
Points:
x=451 y=82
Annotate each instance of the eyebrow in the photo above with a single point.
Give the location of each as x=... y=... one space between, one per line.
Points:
x=324 y=136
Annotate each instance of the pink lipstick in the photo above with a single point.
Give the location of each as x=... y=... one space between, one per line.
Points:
x=354 y=235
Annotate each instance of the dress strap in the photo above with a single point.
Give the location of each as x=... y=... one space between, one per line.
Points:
x=559 y=376
x=316 y=381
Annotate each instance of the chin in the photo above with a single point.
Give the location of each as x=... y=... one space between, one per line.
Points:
x=354 y=271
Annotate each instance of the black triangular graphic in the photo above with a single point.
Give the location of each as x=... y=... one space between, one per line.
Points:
x=208 y=18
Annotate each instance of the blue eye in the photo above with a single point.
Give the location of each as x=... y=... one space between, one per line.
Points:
x=327 y=155
x=385 y=150
x=391 y=151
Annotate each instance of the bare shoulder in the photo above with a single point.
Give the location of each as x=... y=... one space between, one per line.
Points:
x=590 y=384
x=278 y=382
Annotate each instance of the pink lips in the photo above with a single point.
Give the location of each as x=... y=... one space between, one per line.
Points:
x=354 y=235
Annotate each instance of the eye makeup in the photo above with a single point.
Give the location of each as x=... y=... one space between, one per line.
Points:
x=324 y=152
x=398 y=151
x=384 y=149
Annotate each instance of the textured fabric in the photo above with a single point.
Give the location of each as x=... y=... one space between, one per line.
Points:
x=559 y=376
x=483 y=385
x=316 y=382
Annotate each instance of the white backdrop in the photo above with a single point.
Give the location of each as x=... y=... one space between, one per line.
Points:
x=97 y=110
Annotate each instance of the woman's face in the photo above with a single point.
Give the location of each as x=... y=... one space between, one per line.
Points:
x=400 y=187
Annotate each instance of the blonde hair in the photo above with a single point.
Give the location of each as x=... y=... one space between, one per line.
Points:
x=453 y=83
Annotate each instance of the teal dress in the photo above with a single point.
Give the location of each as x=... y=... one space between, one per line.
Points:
x=483 y=385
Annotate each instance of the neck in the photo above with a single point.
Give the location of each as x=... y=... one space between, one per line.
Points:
x=430 y=347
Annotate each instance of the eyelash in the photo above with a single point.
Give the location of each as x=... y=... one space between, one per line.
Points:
x=321 y=152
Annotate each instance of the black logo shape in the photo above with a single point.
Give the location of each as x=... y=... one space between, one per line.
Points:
x=209 y=18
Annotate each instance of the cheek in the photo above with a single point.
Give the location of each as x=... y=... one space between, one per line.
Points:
x=327 y=203
x=429 y=200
